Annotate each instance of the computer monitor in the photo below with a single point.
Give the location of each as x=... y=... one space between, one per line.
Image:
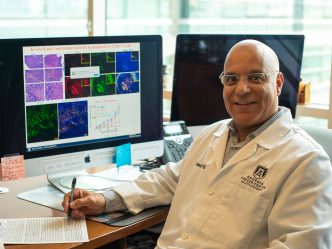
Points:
x=199 y=60
x=66 y=103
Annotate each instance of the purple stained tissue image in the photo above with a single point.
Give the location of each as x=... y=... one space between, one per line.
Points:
x=34 y=92
x=33 y=61
x=54 y=74
x=34 y=76
x=54 y=91
x=53 y=60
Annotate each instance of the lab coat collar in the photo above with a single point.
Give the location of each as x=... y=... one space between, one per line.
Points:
x=267 y=139
x=273 y=135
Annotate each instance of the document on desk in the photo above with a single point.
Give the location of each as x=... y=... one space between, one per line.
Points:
x=43 y=230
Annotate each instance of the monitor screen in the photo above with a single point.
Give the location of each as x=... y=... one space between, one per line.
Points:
x=66 y=103
x=199 y=60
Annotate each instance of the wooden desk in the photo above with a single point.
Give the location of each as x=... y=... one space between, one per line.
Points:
x=99 y=234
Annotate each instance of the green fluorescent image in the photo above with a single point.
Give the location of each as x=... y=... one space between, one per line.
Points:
x=42 y=123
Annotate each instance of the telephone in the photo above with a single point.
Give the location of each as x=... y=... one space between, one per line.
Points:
x=177 y=140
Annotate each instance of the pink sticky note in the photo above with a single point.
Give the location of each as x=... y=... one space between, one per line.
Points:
x=12 y=168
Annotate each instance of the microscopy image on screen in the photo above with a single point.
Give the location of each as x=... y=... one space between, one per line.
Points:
x=127 y=83
x=73 y=119
x=54 y=91
x=103 y=85
x=46 y=70
x=34 y=61
x=76 y=60
x=127 y=61
x=105 y=62
x=100 y=74
x=42 y=123
x=35 y=92
x=53 y=60
x=34 y=76
x=77 y=88
x=53 y=74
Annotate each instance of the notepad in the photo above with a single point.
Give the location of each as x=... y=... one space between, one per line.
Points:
x=12 y=168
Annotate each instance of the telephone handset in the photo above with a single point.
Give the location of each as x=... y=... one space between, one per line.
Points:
x=177 y=140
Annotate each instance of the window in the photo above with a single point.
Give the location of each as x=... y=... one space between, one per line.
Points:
x=43 y=18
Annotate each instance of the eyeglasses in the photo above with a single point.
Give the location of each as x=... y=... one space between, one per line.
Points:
x=233 y=79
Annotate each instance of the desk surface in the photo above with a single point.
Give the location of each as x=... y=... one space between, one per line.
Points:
x=99 y=234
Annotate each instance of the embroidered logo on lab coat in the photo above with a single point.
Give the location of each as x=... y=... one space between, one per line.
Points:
x=255 y=182
x=260 y=172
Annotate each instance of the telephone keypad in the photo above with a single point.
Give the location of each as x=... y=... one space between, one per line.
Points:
x=178 y=150
x=177 y=140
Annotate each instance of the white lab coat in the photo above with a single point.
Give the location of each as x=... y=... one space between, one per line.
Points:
x=276 y=192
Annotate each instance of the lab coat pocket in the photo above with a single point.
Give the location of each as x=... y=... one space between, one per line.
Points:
x=232 y=216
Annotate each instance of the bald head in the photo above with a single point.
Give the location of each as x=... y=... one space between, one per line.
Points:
x=268 y=57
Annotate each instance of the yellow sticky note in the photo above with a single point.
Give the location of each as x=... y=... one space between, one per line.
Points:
x=12 y=167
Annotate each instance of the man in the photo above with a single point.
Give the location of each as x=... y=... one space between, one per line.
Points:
x=255 y=181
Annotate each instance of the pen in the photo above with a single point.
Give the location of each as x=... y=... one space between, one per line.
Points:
x=73 y=183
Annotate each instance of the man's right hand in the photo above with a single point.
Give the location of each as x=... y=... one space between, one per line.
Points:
x=84 y=203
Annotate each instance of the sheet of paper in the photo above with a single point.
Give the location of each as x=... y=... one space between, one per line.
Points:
x=43 y=230
x=12 y=167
